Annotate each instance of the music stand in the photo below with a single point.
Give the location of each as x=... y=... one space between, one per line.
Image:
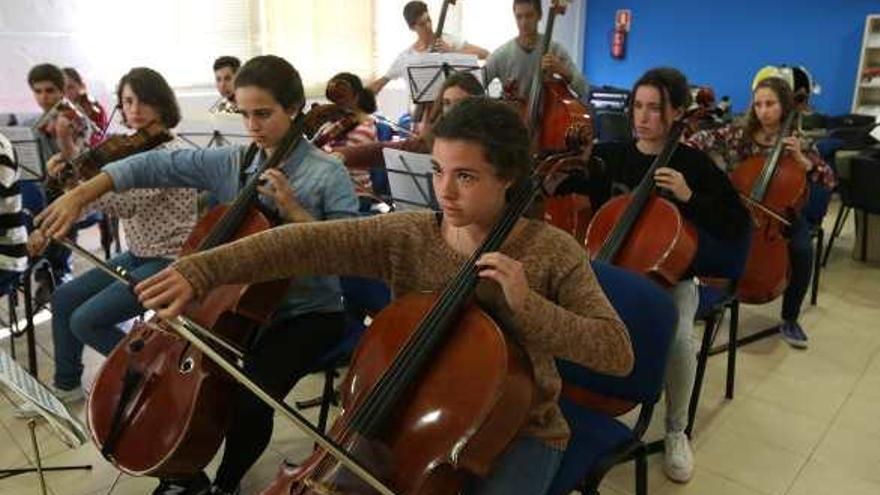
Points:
x=426 y=73
x=409 y=180
x=28 y=152
x=16 y=380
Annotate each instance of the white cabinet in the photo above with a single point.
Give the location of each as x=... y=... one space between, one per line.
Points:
x=866 y=98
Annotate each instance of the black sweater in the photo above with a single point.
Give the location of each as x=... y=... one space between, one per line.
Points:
x=714 y=208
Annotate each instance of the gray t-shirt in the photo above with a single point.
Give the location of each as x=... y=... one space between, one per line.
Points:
x=510 y=62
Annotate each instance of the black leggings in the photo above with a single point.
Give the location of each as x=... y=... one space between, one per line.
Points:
x=284 y=352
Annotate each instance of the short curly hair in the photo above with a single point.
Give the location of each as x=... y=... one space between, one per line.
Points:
x=493 y=125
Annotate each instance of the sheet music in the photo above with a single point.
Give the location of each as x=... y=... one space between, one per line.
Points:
x=16 y=379
x=27 y=151
x=425 y=72
x=409 y=178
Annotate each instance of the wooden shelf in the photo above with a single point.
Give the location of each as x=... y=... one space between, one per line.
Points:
x=866 y=95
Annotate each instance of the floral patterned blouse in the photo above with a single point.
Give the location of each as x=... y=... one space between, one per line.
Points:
x=733 y=145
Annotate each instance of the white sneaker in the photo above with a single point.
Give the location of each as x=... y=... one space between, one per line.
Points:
x=28 y=410
x=678 y=459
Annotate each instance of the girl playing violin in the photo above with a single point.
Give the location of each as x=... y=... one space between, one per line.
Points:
x=703 y=195
x=539 y=285
x=772 y=102
x=309 y=186
x=88 y=309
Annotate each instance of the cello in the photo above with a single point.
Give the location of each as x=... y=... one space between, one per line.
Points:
x=403 y=407
x=559 y=121
x=158 y=406
x=774 y=189
x=643 y=231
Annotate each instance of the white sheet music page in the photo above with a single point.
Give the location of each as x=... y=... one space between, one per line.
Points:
x=422 y=69
x=17 y=380
x=26 y=150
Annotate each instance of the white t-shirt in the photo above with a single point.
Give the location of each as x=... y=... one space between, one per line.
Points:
x=398 y=67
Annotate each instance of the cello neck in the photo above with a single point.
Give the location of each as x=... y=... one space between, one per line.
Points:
x=441 y=22
x=640 y=195
x=370 y=419
x=759 y=189
x=226 y=227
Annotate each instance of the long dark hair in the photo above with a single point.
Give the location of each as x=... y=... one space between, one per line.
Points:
x=672 y=86
x=152 y=89
x=275 y=75
x=786 y=100
x=366 y=100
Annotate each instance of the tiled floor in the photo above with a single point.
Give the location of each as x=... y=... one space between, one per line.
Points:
x=802 y=422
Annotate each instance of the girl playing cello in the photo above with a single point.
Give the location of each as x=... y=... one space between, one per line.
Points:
x=703 y=195
x=539 y=285
x=772 y=102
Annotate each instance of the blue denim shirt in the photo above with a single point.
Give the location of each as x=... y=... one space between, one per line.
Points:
x=320 y=182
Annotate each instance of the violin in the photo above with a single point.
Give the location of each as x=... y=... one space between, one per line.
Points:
x=643 y=231
x=328 y=123
x=774 y=189
x=69 y=110
x=159 y=407
x=89 y=163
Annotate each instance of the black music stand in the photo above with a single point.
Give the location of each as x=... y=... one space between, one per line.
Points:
x=426 y=79
x=29 y=152
x=410 y=180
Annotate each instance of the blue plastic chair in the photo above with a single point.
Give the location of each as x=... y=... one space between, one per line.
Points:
x=725 y=262
x=599 y=441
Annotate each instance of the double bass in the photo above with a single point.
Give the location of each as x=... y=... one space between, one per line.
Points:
x=774 y=189
x=559 y=121
x=425 y=111
x=158 y=406
x=643 y=231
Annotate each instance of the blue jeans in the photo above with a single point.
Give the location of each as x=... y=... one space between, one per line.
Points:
x=87 y=309
x=800 y=254
x=527 y=467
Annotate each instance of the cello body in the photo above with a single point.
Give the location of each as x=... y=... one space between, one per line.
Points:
x=158 y=407
x=779 y=184
x=460 y=415
x=661 y=244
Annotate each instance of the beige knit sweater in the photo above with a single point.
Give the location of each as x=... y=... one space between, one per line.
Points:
x=565 y=314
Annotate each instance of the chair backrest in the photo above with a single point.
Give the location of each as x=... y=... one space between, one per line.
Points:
x=721 y=258
x=865 y=182
x=384 y=132
x=612 y=126
x=650 y=317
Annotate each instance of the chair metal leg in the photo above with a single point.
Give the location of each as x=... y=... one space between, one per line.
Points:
x=864 y=254
x=712 y=324
x=731 y=349
x=817 y=265
x=327 y=398
x=641 y=473
x=839 y=222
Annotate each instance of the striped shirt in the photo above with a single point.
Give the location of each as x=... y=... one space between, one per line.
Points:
x=364 y=133
x=13 y=233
